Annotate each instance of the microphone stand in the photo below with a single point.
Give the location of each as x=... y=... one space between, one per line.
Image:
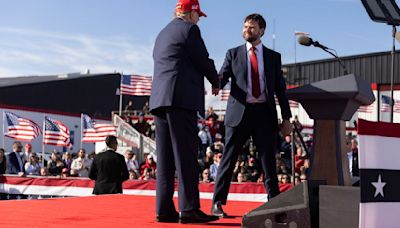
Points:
x=329 y=50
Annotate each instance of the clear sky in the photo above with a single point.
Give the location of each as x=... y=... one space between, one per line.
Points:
x=41 y=37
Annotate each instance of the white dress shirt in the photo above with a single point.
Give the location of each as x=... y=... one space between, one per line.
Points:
x=260 y=61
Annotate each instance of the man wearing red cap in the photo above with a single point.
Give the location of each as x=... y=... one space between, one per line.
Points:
x=181 y=61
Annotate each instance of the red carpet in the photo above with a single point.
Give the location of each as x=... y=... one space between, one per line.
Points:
x=104 y=211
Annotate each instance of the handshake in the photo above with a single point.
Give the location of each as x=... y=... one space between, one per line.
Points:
x=215 y=90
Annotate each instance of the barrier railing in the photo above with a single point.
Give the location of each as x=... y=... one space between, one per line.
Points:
x=129 y=136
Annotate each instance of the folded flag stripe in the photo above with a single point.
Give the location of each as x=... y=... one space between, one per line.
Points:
x=379 y=162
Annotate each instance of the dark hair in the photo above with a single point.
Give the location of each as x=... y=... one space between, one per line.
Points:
x=258 y=18
x=110 y=140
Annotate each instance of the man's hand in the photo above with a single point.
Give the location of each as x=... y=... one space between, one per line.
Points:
x=286 y=127
x=215 y=91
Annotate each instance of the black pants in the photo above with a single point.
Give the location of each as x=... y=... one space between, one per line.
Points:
x=177 y=149
x=256 y=122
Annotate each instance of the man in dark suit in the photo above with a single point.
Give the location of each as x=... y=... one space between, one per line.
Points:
x=181 y=61
x=256 y=76
x=109 y=169
x=15 y=164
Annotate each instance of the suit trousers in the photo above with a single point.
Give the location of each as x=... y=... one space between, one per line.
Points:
x=258 y=122
x=177 y=149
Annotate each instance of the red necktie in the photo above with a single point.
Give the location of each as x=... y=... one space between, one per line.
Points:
x=255 y=81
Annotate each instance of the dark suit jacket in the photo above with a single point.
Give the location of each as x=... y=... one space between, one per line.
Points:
x=181 y=61
x=109 y=171
x=12 y=164
x=235 y=68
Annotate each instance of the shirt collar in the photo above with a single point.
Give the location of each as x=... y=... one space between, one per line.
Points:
x=258 y=46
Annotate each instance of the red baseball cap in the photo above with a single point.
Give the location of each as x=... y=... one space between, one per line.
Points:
x=189 y=5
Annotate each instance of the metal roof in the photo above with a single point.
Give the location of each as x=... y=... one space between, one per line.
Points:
x=373 y=67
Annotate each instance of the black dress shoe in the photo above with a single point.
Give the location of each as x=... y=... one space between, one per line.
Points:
x=170 y=218
x=217 y=210
x=196 y=216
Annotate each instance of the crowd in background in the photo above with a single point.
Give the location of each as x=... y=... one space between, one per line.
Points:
x=211 y=146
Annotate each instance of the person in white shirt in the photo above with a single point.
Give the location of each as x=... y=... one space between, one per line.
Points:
x=32 y=166
x=131 y=162
x=81 y=165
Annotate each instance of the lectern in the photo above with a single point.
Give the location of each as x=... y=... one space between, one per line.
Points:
x=330 y=103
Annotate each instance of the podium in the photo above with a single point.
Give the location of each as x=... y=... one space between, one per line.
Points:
x=330 y=103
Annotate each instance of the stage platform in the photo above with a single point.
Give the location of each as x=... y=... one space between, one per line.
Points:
x=104 y=211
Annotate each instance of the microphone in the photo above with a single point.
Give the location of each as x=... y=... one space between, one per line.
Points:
x=307 y=41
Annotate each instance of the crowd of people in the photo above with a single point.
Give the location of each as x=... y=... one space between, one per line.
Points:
x=211 y=146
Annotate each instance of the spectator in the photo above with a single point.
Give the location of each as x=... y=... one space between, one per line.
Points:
x=129 y=106
x=3 y=162
x=241 y=177
x=353 y=159
x=14 y=161
x=28 y=150
x=213 y=127
x=239 y=168
x=297 y=179
x=209 y=159
x=150 y=164
x=285 y=184
x=211 y=114
x=147 y=174
x=81 y=165
x=299 y=159
x=297 y=123
x=205 y=139
x=215 y=165
x=252 y=170
x=133 y=175
x=67 y=159
x=217 y=146
x=286 y=151
x=146 y=108
x=65 y=173
x=206 y=176
x=131 y=162
x=56 y=165
x=32 y=167
x=142 y=126
x=44 y=172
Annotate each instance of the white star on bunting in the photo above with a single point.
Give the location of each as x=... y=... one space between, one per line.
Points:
x=379 y=186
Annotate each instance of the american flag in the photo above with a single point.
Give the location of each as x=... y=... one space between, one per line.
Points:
x=385 y=106
x=95 y=132
x=56 y=133
x=396 y=107
x=136 y=85
x=20 y=128
x=366 y=108
x=224 y=93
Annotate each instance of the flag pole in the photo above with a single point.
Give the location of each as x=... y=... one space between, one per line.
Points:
x=4 y=137
x=120 y=95
x=81 y=130
x=44 y=132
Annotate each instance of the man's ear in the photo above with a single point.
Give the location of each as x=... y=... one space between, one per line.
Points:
x=262 y=32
